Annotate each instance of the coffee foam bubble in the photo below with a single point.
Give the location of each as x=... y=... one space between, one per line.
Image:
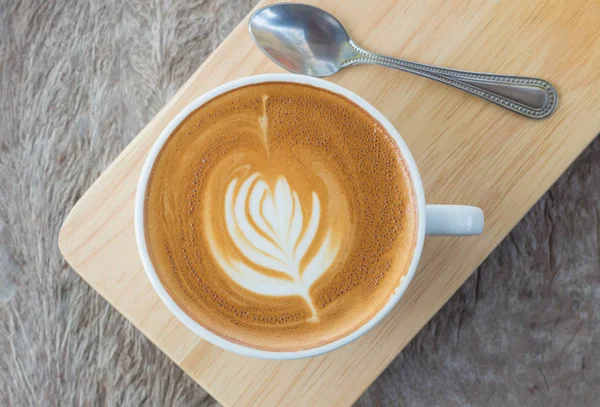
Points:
x=280 y=216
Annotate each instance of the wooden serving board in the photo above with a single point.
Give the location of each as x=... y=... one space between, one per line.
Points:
x=469 y=152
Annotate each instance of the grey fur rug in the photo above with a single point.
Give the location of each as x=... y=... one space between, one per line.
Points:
x=79 y=79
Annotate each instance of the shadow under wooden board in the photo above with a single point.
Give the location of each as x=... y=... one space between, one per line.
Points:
x=469 y=152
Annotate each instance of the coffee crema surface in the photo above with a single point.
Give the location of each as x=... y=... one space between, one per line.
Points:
x=280 y=216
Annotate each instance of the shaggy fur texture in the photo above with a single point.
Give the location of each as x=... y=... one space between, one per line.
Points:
x=79 y=79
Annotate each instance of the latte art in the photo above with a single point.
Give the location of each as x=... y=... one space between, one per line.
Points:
x=269 y=229
x=280 y=216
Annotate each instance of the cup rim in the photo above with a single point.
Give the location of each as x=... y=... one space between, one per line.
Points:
x=195 y=326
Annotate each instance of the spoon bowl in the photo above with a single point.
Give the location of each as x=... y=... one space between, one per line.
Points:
x=302 y=39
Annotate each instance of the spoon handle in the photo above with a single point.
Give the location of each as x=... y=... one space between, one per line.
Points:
x=531 y=97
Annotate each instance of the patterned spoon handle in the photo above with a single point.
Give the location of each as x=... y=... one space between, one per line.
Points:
x=531 y=97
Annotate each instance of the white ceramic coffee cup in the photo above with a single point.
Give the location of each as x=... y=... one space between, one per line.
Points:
x=432 y=219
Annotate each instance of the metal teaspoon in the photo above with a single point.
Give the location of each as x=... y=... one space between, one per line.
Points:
x=307 y=40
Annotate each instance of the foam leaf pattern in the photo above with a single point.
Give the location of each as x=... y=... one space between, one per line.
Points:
x=268 y=228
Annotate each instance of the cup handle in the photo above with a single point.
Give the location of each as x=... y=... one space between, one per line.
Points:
x=453 y=220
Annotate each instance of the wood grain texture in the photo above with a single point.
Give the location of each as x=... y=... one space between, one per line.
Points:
x=469 y=152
